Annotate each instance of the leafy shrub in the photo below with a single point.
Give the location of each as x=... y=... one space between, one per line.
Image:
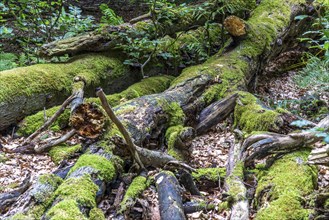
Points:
x=109 y=16
x=7 y=61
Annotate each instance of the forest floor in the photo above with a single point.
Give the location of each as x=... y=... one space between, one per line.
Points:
x=208 y=150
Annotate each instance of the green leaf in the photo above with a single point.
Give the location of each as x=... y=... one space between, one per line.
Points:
x=300 y=17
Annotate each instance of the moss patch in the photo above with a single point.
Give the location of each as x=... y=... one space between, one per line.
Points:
x=212 y=174
x=105 y=167
x=147 y=86
x=138 y=185
x=176 y=122
x=34 y=122
x=43 y=78
x=67 y=209
x=82 y=190
x=251 y=116
x=63 y=152
x=289 y=180
x=96 y=214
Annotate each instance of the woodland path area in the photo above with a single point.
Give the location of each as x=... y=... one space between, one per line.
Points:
x=168 y=137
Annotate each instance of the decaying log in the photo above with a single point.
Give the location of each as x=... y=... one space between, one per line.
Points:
x=26 y=90
x=260 y=146
x=35 y=200
x=170 y=200
x=183 y=18
x=185 y=178
x=215 y=113
x=159 y=84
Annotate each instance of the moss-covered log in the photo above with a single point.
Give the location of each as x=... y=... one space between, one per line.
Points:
x=77 y=195
x=281 y=192
x=170 y=20
x=26 y=90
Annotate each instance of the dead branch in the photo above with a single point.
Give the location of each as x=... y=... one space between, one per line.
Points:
x=120 y=126
x=44 y=147
x=51 y=120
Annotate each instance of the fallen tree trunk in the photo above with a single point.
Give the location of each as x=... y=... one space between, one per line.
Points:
x=181 y=18
x=26 y=90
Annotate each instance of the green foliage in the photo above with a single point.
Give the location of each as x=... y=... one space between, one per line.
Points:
x=315 y=74
x=7 y=61
x=37 y=22
x=316 y=71
x=71 y=23
x=109 y=16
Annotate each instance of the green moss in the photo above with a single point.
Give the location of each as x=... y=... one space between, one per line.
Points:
x=3 y=158
x=287 y=187
x=223 y=206
x=82 y=190
x=50 y=179
x=34 y=122
x=105 y=167
x=172 y=134
x=145 y=87
x=212 y=174
x=67 y=209
x=138 y=185
x=43 y=78
x=176 y=122
x=20 y=216
x=63 y=152
x=175 y=112
x=234 y=181
x=96 y=214
x=251 y=116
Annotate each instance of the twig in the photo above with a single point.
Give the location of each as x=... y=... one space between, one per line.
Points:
x=50 y=121
x=122 y=129
x=55 y=142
